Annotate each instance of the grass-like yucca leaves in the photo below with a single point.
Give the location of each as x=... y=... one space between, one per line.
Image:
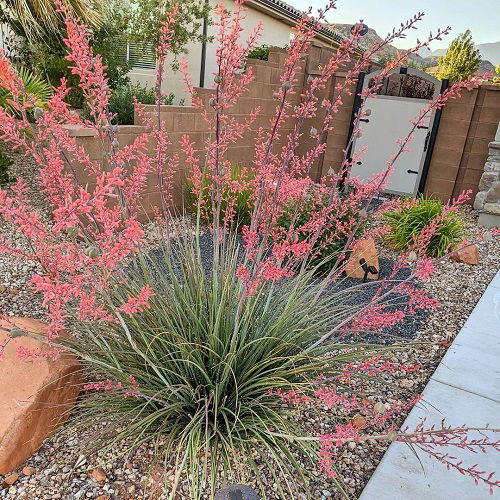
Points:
x=408 y=222
x=204 y=380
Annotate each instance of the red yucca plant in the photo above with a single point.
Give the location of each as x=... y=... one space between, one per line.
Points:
x=195 y=344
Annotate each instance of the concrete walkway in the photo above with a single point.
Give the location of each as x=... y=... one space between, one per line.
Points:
x=465 y=389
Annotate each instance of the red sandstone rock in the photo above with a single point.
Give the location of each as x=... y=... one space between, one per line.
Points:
x=99 y=475
x=29 y=471
x=359 y=421
x=467 y=255
x=34 y=396
x=10 y=479
x=363 y=249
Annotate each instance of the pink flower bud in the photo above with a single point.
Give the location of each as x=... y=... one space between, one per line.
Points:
x=92 y=252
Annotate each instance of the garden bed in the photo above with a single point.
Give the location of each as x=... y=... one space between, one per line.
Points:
x=58 y=471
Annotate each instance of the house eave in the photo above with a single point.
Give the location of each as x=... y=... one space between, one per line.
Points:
x=289 y=15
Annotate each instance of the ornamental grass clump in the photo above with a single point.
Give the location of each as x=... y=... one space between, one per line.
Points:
x=407 y=222
x=201 y=380
x=209 y=344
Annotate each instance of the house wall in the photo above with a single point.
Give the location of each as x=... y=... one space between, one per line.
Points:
x=275 y=33
x=3 y=34
x=467 y=125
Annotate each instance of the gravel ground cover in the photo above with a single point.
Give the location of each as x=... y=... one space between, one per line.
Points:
x=59 y=471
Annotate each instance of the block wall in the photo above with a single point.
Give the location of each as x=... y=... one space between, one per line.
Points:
x=467 y=125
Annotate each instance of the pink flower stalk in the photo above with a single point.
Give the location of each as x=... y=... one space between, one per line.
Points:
x=371 y=420
x=81 y=250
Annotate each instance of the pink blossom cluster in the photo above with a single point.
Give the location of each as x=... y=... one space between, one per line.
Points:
x=94 y=222
x=109 y=385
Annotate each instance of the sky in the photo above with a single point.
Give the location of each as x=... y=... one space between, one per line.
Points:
x=482 y=17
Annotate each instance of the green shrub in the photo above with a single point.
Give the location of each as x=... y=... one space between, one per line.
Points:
x=407 y=223
x=261 y=52
x=331 y=242
x=49 y=59
x=121 y=102
x=5 y=163
x=206 y=375
x=461 y=60
x=107 y=38
x=242 y=201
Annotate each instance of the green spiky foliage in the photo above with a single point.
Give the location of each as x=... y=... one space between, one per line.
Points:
x=461 y=60
x=331 y=242
x=35 y=86
x=241 y=201
x=408 y=223
x=205 y=374
x=38 y=19
x=5 y=163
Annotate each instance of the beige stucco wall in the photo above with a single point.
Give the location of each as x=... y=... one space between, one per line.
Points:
x=3 y=34
x=274 y=33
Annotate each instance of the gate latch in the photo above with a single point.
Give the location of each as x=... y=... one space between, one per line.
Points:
x=426 y=144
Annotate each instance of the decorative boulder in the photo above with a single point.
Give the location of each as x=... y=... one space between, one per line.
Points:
x=467 y=255
x=35 y=396
x=363 y=249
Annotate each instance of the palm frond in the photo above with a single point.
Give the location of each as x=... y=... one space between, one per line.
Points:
x=36 y=19
x=38 y=90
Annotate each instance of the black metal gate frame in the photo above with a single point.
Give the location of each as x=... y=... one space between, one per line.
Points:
x=430 y=144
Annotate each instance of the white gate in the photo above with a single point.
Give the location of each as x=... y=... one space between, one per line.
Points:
x=389 y=121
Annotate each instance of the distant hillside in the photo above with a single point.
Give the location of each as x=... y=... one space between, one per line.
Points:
x=485 y=67
x=370 y=39
x=489 y=52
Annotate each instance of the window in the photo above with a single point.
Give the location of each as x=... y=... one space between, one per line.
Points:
x=137 y=56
